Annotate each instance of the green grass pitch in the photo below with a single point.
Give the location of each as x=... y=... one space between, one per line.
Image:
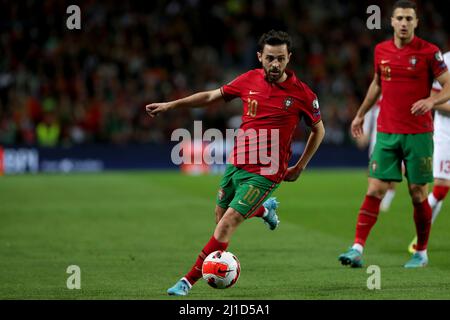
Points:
x=134 y=234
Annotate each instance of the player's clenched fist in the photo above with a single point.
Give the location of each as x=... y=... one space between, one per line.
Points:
x=154 y=109
x=292 y=174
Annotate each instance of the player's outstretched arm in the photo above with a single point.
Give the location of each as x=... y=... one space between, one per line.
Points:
x=372 y=95
x=199 y=99
x=313 y=143
x=424 y=105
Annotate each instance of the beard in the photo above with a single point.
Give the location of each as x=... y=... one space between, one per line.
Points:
x=273 y=74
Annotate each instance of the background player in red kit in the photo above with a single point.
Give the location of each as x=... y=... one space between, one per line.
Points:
x=273 y=99
x=405 y=67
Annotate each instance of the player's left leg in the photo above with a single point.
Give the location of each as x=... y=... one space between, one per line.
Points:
x=268 y=212
x=436 y=200
x=422 y=220
x=418 y=150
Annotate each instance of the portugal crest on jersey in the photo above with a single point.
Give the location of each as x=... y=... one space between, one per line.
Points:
x=413 y=61
x=288 y=102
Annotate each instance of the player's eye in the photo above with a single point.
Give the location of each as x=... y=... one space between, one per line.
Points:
x=409 y=19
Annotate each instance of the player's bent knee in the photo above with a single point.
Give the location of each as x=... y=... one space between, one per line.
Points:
x=219 y=211
x=227 y=225
x=377 y=188
x=418 y=193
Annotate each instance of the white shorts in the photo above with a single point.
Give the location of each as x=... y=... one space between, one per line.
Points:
x=441 y=155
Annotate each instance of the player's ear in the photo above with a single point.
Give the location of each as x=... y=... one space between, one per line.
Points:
x=259 y=55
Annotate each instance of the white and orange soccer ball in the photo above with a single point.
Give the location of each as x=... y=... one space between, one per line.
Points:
x=221 y=269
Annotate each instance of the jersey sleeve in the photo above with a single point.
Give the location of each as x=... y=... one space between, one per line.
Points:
x=437 y=63
x=234 y=88
x=311 y=110
x=436 y=84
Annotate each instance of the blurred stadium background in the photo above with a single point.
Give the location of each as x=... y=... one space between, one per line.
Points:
x=63 y=88
x=73 y=101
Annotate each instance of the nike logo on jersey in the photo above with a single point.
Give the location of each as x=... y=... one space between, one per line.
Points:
x=385 y=61
x=253 y=92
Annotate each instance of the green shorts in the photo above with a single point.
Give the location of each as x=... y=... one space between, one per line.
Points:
x=243 y=191
x=415 y=150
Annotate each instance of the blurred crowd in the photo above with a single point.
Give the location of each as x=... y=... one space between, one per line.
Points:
x=66 y=87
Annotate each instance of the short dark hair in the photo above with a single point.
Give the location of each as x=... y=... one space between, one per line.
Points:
x=404 y=4
x=274 y=38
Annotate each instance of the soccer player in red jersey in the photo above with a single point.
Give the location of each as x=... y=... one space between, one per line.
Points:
x=405 y=67
x=274 y=102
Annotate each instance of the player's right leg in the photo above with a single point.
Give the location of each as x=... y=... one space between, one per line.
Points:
x=219 y=241
x=384 y=167
x=367 y=218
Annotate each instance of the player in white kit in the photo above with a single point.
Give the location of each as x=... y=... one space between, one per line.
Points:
x=369 y=138
x=441 y=155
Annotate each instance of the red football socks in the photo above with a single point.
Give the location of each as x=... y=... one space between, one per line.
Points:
x=367 y=217
x=422 y=218
x=196 y=272
x=259 y=212
x=439 y=192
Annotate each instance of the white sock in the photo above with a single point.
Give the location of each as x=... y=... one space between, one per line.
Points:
x=432 y=200
x=358 y=247
x=266 y=212
x=188 y=283
x=436 y=210
x=423 y=253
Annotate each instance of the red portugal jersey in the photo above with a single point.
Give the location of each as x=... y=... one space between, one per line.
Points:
x=406 y=76
x=271 y=114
